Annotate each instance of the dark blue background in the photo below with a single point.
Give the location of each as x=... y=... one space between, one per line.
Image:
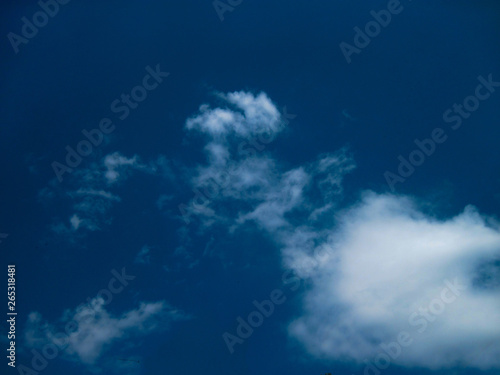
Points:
x=65 y=78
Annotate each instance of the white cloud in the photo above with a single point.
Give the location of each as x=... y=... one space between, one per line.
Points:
x=259 y=189
x=97 y=193
x=143 y=257
x=75 y=221
x=279 y=200
x=251 y=114
x=259 y=111
x=373 y=268
x=116 y=166
x=385 y=260
x=242 y=178
x=89 y=191
x=331 y=169
x=97 y=330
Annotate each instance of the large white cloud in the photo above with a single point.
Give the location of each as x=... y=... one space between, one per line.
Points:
x=387 y=270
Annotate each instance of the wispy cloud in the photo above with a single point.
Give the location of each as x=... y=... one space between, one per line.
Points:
x=91 y=193
x=98 y=331
x=249 y=114
x=143 y=256
x=240 y=175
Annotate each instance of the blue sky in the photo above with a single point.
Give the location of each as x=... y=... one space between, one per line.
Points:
x=232 y=165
